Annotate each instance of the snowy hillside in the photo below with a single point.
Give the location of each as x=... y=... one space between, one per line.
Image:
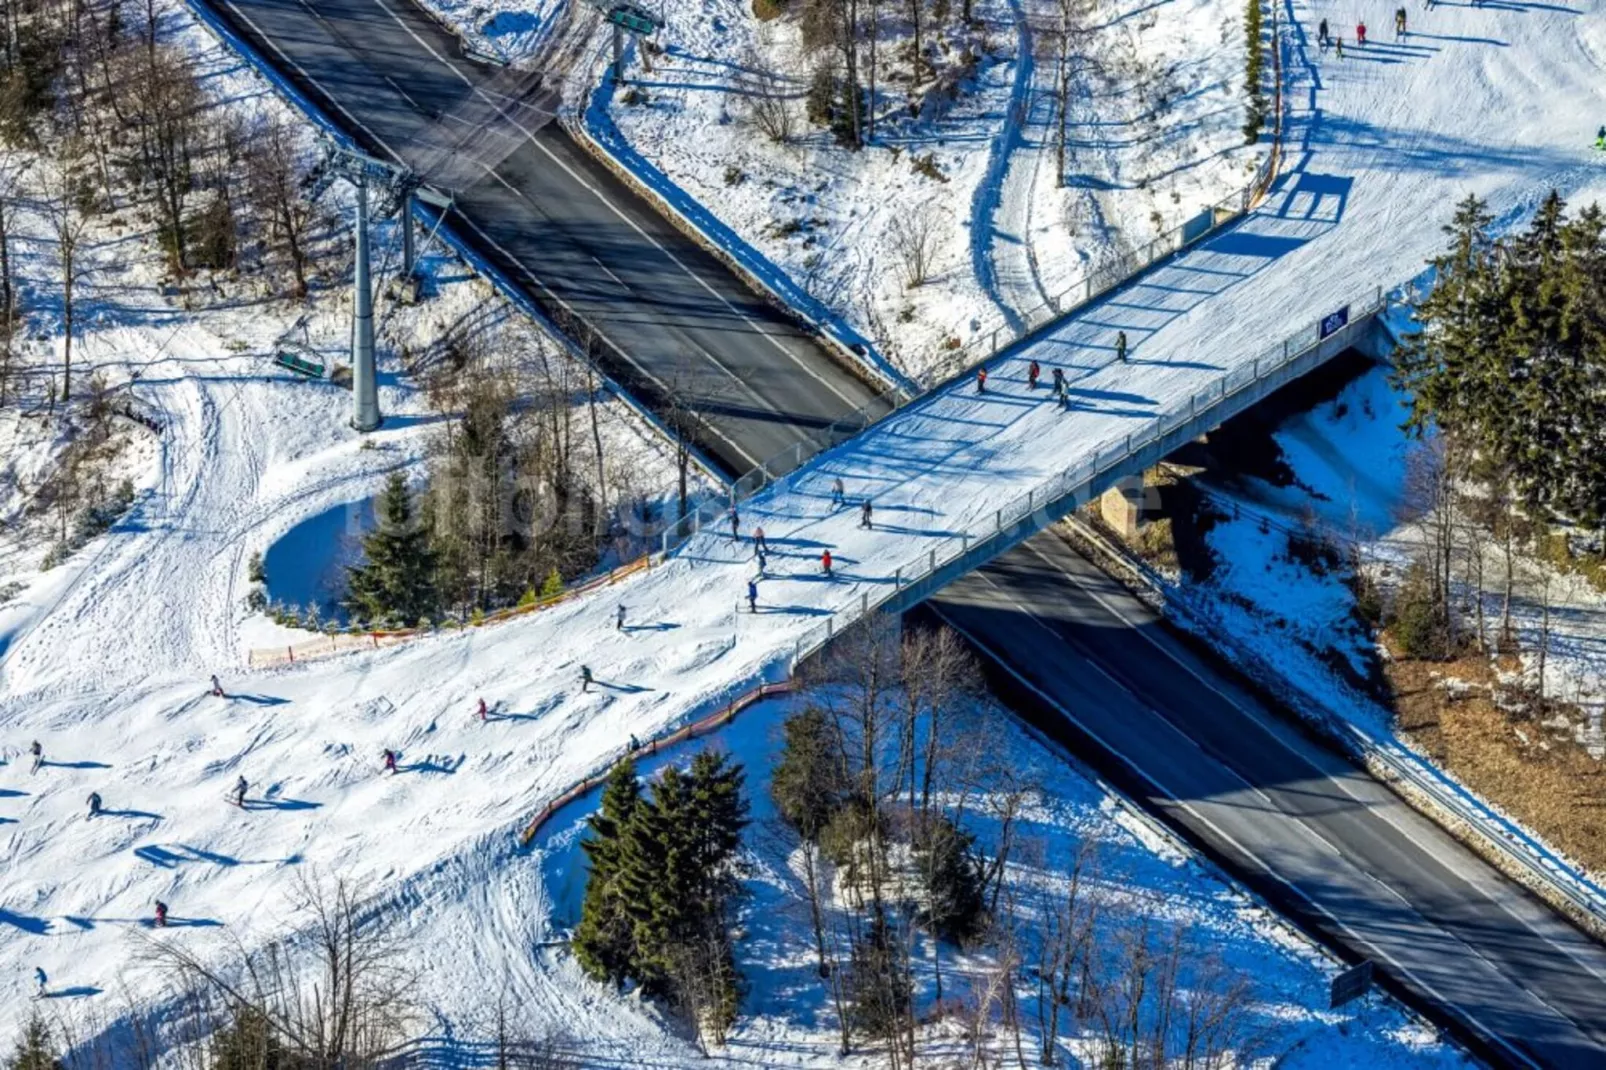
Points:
x=1155 y=135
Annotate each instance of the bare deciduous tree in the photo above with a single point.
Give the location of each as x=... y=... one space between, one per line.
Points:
x=276 y=182
x=67 y=204
x=770 y=103
x=915 y=237
x=333 y=992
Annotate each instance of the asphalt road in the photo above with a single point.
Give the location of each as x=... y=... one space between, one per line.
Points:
x=1095 y=667
x=670 y=319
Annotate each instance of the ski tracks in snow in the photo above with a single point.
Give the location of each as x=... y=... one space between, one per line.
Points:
x=997 y=252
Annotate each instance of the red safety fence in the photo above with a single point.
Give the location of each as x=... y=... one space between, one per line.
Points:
x=344 y=642
x=719 y=719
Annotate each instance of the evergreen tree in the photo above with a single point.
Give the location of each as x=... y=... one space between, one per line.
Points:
x=716 y=813
x=396 y=581
x=603 y=941
x=878 y=983
x=1443 y=366
x=36 y=1050
x=808 y=783
x=951 y=877
x=1512 y=355
x=248 y=1043
x=674 y=886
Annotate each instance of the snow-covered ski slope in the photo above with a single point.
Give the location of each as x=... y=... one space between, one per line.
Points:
x=1501 y=100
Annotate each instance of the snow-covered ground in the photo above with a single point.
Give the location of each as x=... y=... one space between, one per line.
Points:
x=107 y=668
x=1134 y=874
x=1007 y=238
x=1345 y=482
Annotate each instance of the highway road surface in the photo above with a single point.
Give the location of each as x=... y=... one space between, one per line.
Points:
x=1094 y=666
x=1308 y=829
x=670 y=319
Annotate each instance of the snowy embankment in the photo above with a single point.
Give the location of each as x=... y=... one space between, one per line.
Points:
x=977 y=166
x=1348 y=483
x=1135 y=875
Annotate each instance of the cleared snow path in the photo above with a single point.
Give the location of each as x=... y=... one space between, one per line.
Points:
x=1000 y=214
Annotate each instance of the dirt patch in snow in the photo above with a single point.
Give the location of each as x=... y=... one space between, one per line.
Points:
x=1534 y=769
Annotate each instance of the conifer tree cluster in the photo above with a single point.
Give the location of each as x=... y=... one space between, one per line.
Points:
x=498 y=519
x=662 y=887
x=1511 y=358
x=36 y=1049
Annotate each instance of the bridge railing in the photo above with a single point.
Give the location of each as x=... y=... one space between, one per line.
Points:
x=987 y=342
x=1058 y=495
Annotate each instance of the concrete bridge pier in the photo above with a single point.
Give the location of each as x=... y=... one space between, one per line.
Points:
x=1122 y=506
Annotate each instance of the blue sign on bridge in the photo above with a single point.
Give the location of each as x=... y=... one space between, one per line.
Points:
x=1336 y=321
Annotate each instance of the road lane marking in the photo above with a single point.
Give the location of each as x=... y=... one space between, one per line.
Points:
x=603 y=198
x=1478 y=1026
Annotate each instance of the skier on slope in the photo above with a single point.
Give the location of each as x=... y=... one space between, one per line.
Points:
x=981 y=380
x=42 y=980
x=483 y=711
x=390 y=761
x=1120 y=346
x=837 y=492
x=1321 y=34
x=217 y=688
x=865 y=509
x=1338 y=47
x=1360 y=35
x=161 y=914
x=585 y=678
x=752 y=596
x=1399 y=22
x=825 y=562
x=1600 y=139
x=94 y=805
x=759 y=545
x=736 y=525
x=240 y=787
x=38 y=753
x=1032 y=372
x=619 y=620
x=1059 y=388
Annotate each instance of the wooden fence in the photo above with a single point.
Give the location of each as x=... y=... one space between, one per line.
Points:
x=718 y=719
x=345 y=642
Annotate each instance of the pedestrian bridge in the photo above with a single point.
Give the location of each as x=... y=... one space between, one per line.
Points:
x=963 y=474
